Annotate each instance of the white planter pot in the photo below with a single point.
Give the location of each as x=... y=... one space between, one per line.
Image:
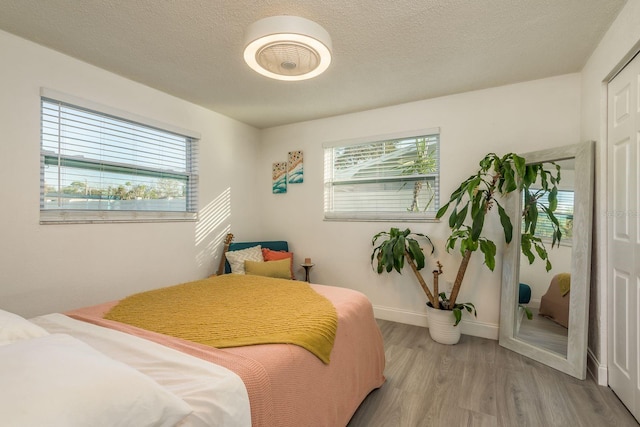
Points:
x=441 y=326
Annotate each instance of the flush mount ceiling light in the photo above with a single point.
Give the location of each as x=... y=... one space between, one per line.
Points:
x=287 y=48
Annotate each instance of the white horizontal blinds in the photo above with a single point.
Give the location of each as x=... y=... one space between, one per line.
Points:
x=563 y=213
x=94 y=161
x=390 y=179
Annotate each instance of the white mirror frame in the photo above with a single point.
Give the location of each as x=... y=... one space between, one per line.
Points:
x=575 y=364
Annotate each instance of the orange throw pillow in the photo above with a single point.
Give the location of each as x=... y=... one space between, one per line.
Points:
x=270 y=255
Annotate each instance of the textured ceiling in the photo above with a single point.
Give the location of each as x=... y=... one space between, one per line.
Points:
x=385 y=52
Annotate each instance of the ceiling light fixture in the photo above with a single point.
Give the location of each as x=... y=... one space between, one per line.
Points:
x=287 y=48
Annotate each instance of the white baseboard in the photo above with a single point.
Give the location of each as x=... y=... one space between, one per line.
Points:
x=597 y=370
x=400 y=316
x=469 y=327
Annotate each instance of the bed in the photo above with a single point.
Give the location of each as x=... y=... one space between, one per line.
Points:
x=258 y=385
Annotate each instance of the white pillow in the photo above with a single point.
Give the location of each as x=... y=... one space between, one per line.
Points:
x=57 y=380
x=237 y=258
x=15 y=328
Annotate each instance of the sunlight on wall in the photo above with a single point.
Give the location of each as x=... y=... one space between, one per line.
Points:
x=212 y=227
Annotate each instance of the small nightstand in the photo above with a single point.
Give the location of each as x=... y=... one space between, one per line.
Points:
x=306 y=267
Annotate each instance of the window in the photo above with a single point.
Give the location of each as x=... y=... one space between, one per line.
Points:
x=395 y=178
x=563 y=213
x=97 y=167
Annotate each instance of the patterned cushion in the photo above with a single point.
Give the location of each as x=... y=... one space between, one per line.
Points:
x=237 y=258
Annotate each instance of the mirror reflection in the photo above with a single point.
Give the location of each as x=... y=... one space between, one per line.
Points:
x=543 y=295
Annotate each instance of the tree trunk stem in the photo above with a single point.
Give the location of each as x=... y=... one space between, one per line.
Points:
x=433 y=300
x=458 y=283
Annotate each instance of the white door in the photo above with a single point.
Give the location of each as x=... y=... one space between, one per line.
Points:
x=624 y=235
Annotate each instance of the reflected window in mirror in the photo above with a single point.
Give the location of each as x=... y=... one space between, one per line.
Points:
x=563 y=213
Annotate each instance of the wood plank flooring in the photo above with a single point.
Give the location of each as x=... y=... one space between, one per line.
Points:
x=544 y=332
x=478 y=383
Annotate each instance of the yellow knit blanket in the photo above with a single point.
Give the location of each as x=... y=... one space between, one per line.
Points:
x=236 y=310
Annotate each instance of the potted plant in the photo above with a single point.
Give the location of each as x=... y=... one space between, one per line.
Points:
x=391 y=254
x=470 y=204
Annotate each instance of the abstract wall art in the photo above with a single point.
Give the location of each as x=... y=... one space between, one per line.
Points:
x=279 y=177
x=295 y=167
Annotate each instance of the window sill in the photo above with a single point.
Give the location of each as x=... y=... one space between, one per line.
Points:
x=364 y=218
x=52 y=217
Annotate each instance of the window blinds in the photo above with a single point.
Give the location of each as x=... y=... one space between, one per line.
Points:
x=383 y=180
x=563 y=213
x=91 y=161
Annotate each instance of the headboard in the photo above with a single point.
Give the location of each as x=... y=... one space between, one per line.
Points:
x=274 y=245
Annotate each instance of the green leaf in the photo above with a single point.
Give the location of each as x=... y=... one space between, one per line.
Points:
x=525 y=245
x=453 y=218
x=416 y=253
x=553 y=199
x=543 y=178
x=530 y=175
x=442 y=211
x=487 y=161
x=373 y=241
x=478 y=224
x=451 y=243
x=506 y=223
x=461 y=217
x=457 y=313
x=398 y=254
x=475 y=202
x=533 y=219
x=519 y=163
x=509 y=179
x=473 y=185
x=427 y=239
x=488 y=248
x=458 y=192
x=387 y=251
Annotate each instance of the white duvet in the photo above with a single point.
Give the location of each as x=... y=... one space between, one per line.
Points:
x=217 y=395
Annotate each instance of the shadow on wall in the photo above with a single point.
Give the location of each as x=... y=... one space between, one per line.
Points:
x=212 y=228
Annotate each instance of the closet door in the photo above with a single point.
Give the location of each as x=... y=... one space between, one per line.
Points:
x=624 y=235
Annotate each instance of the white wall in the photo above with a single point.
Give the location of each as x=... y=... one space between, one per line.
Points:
x=522 y=117
x=46 y=268
x=621 y=40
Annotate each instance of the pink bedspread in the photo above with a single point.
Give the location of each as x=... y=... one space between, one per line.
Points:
x=287 y=385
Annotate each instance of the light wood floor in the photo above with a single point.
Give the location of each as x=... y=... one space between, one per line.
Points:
x=478 y=383
x=544 y=332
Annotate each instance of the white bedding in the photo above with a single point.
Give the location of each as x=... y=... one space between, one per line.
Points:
x=217 y=395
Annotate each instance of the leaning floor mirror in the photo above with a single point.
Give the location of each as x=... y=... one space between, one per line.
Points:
x=556 y=300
